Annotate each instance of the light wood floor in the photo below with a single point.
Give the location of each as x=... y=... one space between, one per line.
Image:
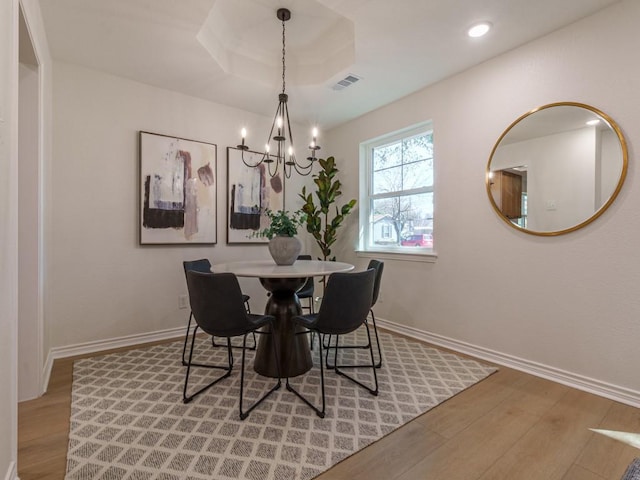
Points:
x=510 y=426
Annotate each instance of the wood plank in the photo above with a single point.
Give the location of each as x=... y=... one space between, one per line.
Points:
x=576 y=472
x=608 y=457
x=46 y=415
x=482 y=443
x=548 y=450
x=388 y=457
x=459 y=412
x=44 y=449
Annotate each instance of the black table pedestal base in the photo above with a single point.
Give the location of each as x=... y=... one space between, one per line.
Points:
x=293 y=350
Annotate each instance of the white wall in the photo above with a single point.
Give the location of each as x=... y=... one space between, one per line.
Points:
x=561 y=184
x=567 y=304
x=8 y=236
x=103 y=285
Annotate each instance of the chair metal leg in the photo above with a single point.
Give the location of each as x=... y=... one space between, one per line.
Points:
x=375 y=331
x=377 y=364
x=187 y=398
x=186 y=338
x=319 y=412
x=373 y=391
x=245 y=414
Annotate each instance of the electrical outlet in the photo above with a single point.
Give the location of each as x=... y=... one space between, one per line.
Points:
x=183 y=302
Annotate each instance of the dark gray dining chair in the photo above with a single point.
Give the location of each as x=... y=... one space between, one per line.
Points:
x=344 y=309
x=203 y=265
x=378 y=266
x=218 y=309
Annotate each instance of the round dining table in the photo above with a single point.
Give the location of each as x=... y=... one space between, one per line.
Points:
x=283 y=281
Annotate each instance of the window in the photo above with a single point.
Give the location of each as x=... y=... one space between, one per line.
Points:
x=397 y=192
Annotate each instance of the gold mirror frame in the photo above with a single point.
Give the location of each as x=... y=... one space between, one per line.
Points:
x=623 y=173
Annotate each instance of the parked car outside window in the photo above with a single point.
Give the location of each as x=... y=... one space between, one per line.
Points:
x=418 y=240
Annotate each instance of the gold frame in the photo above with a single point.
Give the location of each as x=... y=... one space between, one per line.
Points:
x=597 y=213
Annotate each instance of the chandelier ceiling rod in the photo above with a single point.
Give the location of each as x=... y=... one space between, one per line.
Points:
x=280 y=133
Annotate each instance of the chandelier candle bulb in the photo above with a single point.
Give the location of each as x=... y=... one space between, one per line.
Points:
x=313 y=146
x=243 y=135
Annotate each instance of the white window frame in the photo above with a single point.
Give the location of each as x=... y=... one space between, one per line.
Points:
x=366 y=248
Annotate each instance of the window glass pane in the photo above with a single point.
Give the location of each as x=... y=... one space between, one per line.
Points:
x=406 y=215
x=387 y=180
x=387 y=156
x=419 y=147
x=417 y=175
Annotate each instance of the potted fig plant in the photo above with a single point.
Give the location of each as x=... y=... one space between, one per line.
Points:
x=284 y=247
x=321 y=221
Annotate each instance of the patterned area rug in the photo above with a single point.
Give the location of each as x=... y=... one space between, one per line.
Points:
x=128 y=420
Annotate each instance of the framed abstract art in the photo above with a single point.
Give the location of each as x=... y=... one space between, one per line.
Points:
x=250 y=191
x=178 y=184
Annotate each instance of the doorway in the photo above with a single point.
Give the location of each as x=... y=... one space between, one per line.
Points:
x=30 y=317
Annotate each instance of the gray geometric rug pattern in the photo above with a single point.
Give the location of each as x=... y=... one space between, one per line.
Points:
x=128 y=420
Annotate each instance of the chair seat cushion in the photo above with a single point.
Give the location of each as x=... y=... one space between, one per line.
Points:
x=311 y=322
x=257 y=321
x=307 y=321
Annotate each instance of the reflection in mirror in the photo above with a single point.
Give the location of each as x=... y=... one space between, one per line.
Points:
x=557 y=168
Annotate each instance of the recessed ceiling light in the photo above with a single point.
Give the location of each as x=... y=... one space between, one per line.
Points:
x=479 y=29
x=593 y=122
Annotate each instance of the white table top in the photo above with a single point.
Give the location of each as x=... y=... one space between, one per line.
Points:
x=268 y=268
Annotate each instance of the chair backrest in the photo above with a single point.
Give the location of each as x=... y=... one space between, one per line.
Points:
x=306 y=290
x=202 y=265
x=346 y=302
x=378 y=266
x=216 y=303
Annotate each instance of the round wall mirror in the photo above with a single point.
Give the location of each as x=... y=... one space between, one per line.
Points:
x=556 y=168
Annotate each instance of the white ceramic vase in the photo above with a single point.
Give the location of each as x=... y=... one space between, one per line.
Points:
x=284 y=250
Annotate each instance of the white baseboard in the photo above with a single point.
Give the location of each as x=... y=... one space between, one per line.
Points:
x=12 y=472
x=101 y=345
x=591 y=385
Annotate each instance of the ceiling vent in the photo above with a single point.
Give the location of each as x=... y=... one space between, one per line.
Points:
x=346 y=82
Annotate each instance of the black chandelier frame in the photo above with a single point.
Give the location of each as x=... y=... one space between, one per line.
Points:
x=284 y=154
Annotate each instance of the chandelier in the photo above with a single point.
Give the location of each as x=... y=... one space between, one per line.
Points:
x=283 y=153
